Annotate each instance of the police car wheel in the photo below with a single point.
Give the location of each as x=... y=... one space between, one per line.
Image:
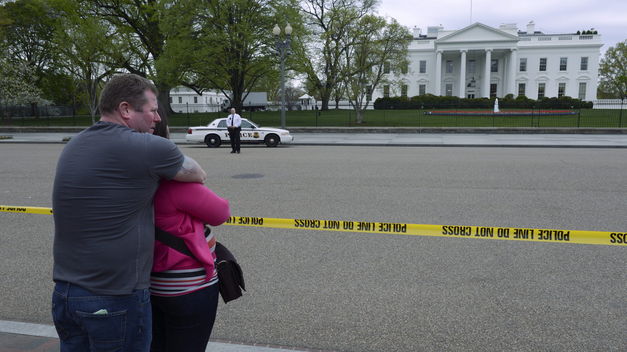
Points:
x=212 y=140
x=271 y=140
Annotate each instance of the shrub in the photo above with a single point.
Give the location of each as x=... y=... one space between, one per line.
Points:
x=430 y=101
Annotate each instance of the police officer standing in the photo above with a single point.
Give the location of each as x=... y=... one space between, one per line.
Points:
x=234 y=124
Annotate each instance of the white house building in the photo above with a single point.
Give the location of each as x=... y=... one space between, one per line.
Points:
x=183 y=100
x=482 y=61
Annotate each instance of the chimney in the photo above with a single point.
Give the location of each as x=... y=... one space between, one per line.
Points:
x=531 y=27
x=416 y=32
x=432 y=31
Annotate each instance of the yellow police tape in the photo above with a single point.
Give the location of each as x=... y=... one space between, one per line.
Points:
x=390 y=228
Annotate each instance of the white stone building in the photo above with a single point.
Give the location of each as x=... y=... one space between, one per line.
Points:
x=482 y=61
x=183 y=100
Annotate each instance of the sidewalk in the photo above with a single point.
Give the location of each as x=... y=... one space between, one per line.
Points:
x=22 y=337
x=599 y=138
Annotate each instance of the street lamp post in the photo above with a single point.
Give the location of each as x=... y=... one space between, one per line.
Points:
x=283 y=48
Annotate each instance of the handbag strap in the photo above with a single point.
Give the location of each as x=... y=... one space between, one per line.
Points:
x=173 y=242
x=179 y=245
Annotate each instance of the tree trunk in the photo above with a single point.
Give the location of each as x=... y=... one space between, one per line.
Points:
x=33 y=110
x=237 y=100
x=359 y=116
x=164 y=97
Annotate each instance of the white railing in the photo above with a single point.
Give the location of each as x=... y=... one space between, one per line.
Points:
x=609 y=104
x=561 y=37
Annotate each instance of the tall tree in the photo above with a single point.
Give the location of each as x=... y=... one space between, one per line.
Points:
x=373 y=46
x=17 y=84
x=225 y=45
x=329 y=23
x=613 y=70
x=26 y=28
x=80 y=42
x=135 y=24
x=27 y=34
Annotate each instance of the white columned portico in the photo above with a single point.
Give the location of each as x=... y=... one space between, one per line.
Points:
x=462 y=75
x=511 y=77
x=485 y=86
x=438 y=73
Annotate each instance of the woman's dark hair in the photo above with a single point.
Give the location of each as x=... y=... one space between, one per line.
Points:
x=161 y=127
x=127 y=87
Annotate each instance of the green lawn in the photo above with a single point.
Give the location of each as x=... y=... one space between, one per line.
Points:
x=373 y=118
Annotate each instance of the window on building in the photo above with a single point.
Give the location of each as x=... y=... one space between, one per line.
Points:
x=423 y=66
x=449 y=89
x=405 y=68
x=404 y=90
x=369 y=93
x=449 y=66
x=472 y=66
x=561 y=89
x=541 y=88
x=422 y=89
x=521 y=89
x=494 y=65
x=493 y=90
x=180 y=100
x=542 y=64
x=195 y=100
x=584 y=64
x=523 y=64
x=386 y=67
x=582 y=91
x=386 y=91
x=563 y=63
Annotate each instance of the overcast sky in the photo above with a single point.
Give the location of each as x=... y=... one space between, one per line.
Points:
x=608 y=17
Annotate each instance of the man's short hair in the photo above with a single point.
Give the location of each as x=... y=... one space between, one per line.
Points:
x=129 y=87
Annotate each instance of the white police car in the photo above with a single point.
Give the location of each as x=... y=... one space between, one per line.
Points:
x=215 y=133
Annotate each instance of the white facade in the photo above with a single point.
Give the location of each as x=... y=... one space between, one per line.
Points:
x=183 y=100
x=482 y=61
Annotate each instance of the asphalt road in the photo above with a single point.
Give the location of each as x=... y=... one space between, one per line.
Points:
x=364 y=292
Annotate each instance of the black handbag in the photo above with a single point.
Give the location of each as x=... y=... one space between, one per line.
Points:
x=230 y=275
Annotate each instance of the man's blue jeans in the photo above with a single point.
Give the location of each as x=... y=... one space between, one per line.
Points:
x=89 y=322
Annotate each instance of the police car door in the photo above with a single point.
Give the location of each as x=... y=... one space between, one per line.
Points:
x=223 y=131
x=250 y=133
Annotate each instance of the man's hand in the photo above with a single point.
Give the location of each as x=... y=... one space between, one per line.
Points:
x=190 y=172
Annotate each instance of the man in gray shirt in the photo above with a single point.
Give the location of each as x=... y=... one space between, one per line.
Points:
x=104 y=225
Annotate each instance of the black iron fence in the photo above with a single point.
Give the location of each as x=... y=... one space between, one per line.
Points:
x=607 y=115
x=17 y=111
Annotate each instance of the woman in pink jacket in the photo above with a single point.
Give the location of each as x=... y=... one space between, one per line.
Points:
x=185 y=289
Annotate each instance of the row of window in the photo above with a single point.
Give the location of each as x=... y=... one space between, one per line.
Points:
x=561 y=90
x=522 y=90
x=583 y=64
x=181 y=100
x=422 y=90
x=210 y=101
x=494 y=65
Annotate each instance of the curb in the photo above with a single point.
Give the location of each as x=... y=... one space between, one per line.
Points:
x=407 y=130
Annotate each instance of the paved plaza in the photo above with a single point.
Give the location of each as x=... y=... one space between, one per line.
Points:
x=334 y=291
